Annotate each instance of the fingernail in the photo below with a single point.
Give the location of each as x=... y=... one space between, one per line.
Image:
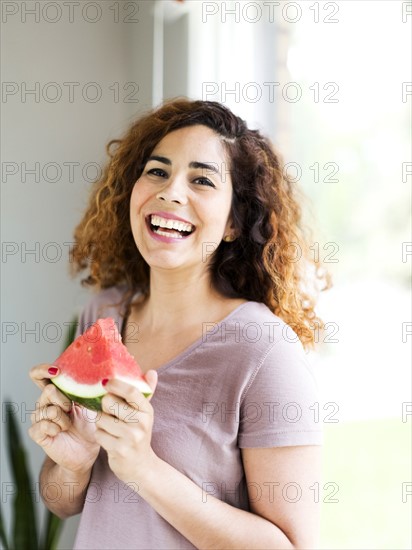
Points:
x=104 y=381
x=53 y=370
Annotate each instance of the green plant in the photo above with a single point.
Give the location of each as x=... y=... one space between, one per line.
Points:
x=24 y=532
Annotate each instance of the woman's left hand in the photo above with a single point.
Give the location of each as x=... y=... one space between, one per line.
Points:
x=124 y=428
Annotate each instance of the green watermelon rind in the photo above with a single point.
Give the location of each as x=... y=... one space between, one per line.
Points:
x=92 y=403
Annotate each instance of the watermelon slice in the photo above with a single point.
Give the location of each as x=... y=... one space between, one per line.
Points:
x=95 y=355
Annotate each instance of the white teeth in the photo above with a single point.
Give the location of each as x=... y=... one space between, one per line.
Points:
x=170 y=224
x=175 y=234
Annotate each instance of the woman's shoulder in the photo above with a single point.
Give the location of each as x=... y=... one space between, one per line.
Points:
x=259 y=318
x=251 y=333
x=257 y=311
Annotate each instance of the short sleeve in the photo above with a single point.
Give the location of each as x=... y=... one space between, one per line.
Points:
x=278 y=408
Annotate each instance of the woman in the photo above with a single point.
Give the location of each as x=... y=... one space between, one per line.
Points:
x=191 y=238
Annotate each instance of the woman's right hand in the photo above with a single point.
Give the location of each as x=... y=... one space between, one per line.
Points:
x=63 y=429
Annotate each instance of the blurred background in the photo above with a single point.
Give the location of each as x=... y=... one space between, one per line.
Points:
x=330 y=84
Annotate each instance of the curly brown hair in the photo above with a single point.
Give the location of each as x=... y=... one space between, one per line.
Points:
x=269 y=261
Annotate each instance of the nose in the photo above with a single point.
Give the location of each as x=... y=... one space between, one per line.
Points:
x=173 y=191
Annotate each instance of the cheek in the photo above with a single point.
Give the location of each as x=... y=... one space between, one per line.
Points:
x=222 y=213
x=134 y=207
x=134 y=197
x=133 y=194
x=137 y=198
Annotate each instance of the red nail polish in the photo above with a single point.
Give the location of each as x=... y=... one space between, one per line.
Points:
x=104 y=381
x=53 y=370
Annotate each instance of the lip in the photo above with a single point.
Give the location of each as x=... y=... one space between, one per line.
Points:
x=169 y=216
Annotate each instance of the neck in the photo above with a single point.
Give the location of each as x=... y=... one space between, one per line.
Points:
x=177 y=300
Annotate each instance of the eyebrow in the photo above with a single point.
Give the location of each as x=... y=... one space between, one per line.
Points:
x=193 y=164
x=205 y=166
x=164 y=160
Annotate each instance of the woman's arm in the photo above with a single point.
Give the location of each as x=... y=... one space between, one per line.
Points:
x=275 y=521
x=63 y=491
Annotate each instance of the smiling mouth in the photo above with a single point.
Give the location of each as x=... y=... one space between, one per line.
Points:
x=169 y=228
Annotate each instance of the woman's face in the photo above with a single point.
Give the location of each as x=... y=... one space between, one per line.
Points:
x=180 y=205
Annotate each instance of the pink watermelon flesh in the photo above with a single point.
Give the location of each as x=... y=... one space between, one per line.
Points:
x=95 y=355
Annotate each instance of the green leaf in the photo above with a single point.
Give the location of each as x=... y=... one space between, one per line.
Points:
x=3 y=533
x=24 y=530
x=52 y=532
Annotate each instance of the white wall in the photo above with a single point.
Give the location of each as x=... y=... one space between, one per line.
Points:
x=36 y=290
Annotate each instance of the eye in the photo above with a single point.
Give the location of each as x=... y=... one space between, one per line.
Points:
x=204 y=181
x=157 y=172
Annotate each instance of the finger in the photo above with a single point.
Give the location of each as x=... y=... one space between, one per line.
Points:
x=78 y=412
x=51 y=413
x=106 y=440
x=51 y=394
x=41 y=374
x=118 y=408
x=129 y=393
x=111 y=425
x=151 y=378
x=43 y=432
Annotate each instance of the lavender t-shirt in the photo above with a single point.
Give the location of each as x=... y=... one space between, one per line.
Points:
x=244 y=383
